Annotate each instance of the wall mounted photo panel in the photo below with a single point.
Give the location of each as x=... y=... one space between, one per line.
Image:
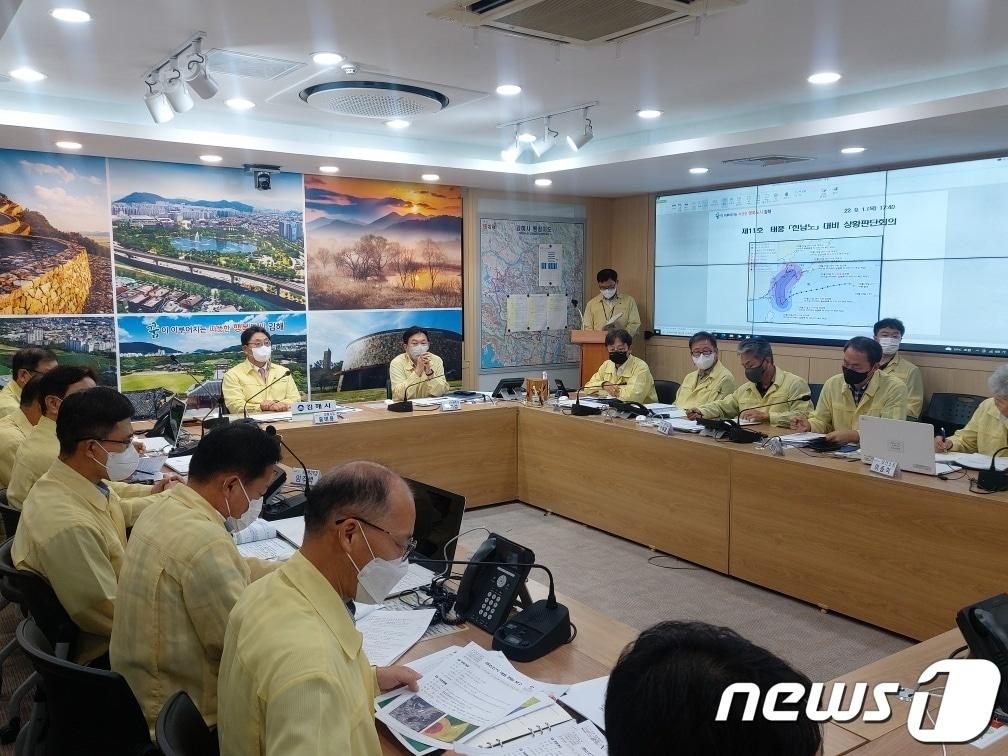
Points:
x=80 y=340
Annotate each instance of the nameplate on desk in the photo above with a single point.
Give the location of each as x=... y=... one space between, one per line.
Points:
x=307 y=408
x=451 y=405
x=297 y=476
x=886 y=467
x=324 y=418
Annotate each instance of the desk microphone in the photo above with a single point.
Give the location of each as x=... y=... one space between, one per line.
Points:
x=993 y=479
x=295 y=503
x=406 y=405
x=216 y=402
x=245 y=406
x=733 y=430
x=579 y=410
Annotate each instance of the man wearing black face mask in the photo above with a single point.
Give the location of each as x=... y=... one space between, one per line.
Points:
x=623 y=376
x=861 y=389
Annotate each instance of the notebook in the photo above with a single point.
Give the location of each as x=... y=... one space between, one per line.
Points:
x=530 y=724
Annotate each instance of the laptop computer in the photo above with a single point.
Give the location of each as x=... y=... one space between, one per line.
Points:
x=909 y=444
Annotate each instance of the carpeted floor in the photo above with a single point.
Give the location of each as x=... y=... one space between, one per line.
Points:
x=614 y=576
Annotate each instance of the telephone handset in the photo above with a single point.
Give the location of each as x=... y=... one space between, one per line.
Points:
x=634 y=409
x=487 y=592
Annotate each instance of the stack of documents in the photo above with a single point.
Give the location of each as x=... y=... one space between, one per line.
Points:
x=390 y=634
x=465 y=695
x=260 y=540
x=973 y=461
x=588 y=699
x=800 y=439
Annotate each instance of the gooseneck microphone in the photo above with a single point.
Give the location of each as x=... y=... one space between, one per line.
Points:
x=405 y=405
x=732 y=428
x=993 y=479
x=272 y=432
x=264 y=388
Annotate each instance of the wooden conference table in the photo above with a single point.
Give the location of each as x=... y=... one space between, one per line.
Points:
x=903 y=554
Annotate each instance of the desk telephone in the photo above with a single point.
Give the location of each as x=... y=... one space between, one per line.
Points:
x=487 y=592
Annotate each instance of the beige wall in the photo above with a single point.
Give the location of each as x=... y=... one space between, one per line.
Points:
x=631 y=254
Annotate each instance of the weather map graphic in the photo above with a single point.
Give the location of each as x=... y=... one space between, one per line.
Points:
x=815 y=281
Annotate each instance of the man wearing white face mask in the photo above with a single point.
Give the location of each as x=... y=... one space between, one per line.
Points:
x=889 y=334
x=73 y=527
x=416 y=373
x=243 y=384
x=294 y=679
x=711 y=380
x=182 y=572
x=611 y=309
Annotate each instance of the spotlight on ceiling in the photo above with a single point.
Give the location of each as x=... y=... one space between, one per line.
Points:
x=239 y=103
x=26 y=74
x=158 y=105
x=210 y=158
x=824 y=77
x=576 y=142
x=70 y=15
x=544 y=182
x=698 y=171
x=178 y=93
x=197 y=75
x=648 y=113
x=397 y=123
x=329 y=168
x=541 y=146
x=509 y=90
x=430 y=177
x=852 y=150
x=69 y=145
x=326 y=58
x=527 y=137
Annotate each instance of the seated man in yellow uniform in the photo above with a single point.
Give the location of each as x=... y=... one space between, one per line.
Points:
x=765 y=384
x=294 y=680
x=611 y=310
x=27 y=362
x=17 y=426
x=73 y=528
x=245 y=385
x=182 y=572
x=416 y=373
x=861 y=389
x=41 y=446
x=622 y=376
x=711 y=380
x=987 y=430
x=889 y=333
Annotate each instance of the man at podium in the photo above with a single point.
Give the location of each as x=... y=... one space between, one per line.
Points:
x=623 y=376
x=611 y=309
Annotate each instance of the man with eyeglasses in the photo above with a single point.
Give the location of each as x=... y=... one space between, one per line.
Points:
x=294 y=679
x=711 y=380
x=243 y=384
x=182 y=572
x=622 y=376
x=73 y=528
x=26 y=364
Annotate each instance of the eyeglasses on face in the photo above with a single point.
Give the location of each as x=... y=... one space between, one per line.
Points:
x=405 y=549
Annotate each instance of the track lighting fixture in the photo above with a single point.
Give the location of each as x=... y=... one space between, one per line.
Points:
x=541 y=146
x=524 y=138
x=171 y=83
x=576 y=142
x=158 y=105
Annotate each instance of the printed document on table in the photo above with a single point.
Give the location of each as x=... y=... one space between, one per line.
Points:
x=588 y=699
x=467 y=694
x=270 y=549
x=417 y=576
x=801 y=438
x=389 y=635
x=974 y=461
x=566 y=740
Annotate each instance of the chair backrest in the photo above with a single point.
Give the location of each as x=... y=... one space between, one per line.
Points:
x=952 y=411
x=388 y=388
x=90 y=711
x=9 y=515
x=37 y=599
x=181 y=731
x=815 y=389
x=666 y=391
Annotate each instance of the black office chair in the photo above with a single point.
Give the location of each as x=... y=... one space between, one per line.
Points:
x=950 y=412
x=181 y=731
x=666 y=391
x=815 y=389
x=388 y=388
x=91 y=712
x=8 y=515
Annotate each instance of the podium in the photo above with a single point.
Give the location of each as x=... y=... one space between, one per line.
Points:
x=593 y=351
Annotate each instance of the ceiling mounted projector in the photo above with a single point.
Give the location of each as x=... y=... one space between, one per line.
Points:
x=380 y=100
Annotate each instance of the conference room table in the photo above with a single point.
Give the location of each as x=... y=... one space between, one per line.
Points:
x=899 y=553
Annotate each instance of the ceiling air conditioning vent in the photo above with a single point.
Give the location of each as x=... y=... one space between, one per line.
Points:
x=373 y=99
x=766 y=161
x=579 y=22
x=250 y=66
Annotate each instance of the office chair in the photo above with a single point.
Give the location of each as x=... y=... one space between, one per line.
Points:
x=666 y=391
x=815 y=389
x=91 y=712
x=388 y=388
x=952 y=411
x=181 y=731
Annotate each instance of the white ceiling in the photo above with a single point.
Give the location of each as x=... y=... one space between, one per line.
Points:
x=923 y=79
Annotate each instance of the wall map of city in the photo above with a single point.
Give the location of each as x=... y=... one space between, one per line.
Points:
x=149 y=271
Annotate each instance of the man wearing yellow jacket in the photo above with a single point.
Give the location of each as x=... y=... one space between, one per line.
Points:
x=622 y=376
x=258 y=384
x=611 y=309
x=862 y=389
x=766 y=384
x=26 y=364
x=987 y=430
x=416 y=373
x=72 y=531
x=16 y=427
x=41 y=447
x=711 y=380
x=889 y=334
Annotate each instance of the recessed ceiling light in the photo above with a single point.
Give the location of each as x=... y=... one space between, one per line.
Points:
x=824 y=77
x=329 y=168
x=698 y=171
x=27 y=74
x=327 y=58
x=239 y=103
x=397 y=123
x=544 y=182
x=70 y=15
x=69 y=145
x=210 y=158
x=649 y=113
x=430 y=177
x=527 y=137
x=852 y=150
x=509 y=90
